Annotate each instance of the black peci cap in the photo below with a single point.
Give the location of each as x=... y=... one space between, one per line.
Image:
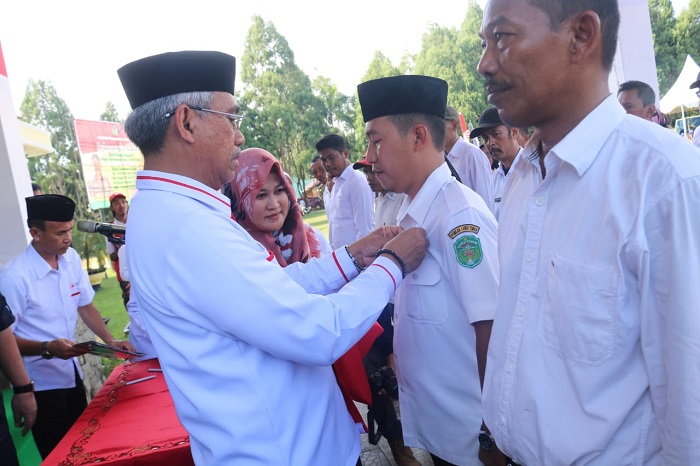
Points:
x=488 y=119
x=51 y=207
x=402 y=94
x=173 y=73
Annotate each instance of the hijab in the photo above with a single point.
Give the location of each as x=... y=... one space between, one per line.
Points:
x=289 y=244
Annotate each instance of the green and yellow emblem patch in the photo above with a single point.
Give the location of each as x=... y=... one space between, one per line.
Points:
x=468 y=251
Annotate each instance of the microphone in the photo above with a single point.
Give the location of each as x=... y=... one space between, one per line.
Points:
x=107 y=229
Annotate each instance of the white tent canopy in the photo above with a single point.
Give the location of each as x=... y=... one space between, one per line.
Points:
x=680 y=96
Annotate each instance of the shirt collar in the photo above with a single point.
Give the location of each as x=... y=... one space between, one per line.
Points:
x=512 y=165
x=184 y=186
x=582 y=145
x=418 y=208
x=39 y=265
x=346 y=173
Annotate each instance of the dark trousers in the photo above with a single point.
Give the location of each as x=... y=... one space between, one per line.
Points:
x=382 y=409
x=57 y=411
x=437 y=461
x=8 y=454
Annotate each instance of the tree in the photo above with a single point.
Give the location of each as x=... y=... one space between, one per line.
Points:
x=669 y=59
x=283 y=114
x=688 y=31
x=61 y=171
x=110 y=113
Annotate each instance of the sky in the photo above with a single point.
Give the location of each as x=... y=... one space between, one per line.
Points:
x=79 y=45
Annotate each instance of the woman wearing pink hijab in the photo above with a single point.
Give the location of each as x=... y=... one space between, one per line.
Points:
x=263 y=202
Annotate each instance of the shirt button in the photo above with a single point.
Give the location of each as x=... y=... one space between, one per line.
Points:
x=415 y=275
x=539 y=200
x=503 y=420
x=528 y=257
x=508 y=368
x=520 y=311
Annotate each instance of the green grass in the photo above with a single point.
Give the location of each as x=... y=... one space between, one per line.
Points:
x=108 y=300
x=318 y=219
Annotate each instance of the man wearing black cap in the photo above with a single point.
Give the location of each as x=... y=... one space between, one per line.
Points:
x=696 y=133
x=595 y=341
x=468 y=161
x=246 y=346
x=46 y=288
x=444 y=309
x=502 y=143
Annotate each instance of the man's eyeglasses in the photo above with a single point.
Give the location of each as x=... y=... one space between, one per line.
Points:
x=233 y=118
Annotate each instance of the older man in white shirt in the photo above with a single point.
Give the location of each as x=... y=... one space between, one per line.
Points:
x=594 y=352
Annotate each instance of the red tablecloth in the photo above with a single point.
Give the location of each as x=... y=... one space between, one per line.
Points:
x=127 y=424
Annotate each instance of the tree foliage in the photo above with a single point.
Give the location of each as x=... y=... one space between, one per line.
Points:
x=110 y=113
x=61 y=172
x=669 y=58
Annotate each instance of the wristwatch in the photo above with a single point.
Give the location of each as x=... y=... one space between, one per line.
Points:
x=45 y=350
x=486 y=441
x=24 y=388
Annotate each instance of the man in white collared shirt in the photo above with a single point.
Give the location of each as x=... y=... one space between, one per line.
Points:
x=246 y=345
x=350 y=213
x=502 y=143
x=594 y=354
x=468 y=161
x=46 y=288
x=443 y=310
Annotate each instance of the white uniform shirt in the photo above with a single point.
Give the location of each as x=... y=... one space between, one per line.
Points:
x=386 y=208
x=473 y=168
x=351 y=215
x=434 y=340
x=246 y=346
x=45 y=304
x=696 y=136
x=594 y=356
x=498 y=183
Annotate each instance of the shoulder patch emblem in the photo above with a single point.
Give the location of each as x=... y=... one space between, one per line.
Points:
x=468 y=251
x=467 y=228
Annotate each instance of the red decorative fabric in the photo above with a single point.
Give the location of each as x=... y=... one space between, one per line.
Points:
x=127 y=425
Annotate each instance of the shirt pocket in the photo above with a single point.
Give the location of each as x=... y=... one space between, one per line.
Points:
x=424 y=297
x=578 y=318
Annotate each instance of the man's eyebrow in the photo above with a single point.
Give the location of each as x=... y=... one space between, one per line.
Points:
x=495 y=22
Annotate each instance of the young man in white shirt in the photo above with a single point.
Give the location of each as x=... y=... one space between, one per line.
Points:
x=351 y=210
x=594 y=352
x=444 y=310
x=47 y=289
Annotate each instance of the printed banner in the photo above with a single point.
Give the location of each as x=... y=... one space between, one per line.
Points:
x=109 y=159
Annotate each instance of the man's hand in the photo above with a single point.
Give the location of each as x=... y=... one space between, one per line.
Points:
x=24 y=411
x=125 y=345
x=63 y=348
x=492 y=458
x=410 y=246
x=364 y=250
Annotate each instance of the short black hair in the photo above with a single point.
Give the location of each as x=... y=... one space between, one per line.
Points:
x=315 y=159
x=331 y=141
x=644 y=91
x=36 y=223
x=607 y=10
x=36 y=187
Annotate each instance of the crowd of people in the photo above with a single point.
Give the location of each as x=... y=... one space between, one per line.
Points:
x=534 y=310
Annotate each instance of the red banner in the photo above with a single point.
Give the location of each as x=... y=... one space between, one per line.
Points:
x=3 y=70
x=109 y=159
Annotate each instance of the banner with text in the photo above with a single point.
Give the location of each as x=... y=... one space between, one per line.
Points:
x=109 y=159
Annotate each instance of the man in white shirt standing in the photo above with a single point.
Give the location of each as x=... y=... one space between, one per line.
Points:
x=594 y=352
x=246 y=345
x=351 y=210
x=444 y=309
x=46 y=288
x=502 y=143
x=120 y=209
x=468 y=161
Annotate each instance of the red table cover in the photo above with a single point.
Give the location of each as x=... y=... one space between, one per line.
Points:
x=127 y=424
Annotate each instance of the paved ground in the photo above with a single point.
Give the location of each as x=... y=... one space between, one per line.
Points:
x=380 y=454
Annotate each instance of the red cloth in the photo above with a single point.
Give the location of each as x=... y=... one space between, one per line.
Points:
x=129 y=425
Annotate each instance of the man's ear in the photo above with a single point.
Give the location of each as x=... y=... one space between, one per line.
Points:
x=185 y=123
x=649 y=111
x=587 y=36
x=420 y=134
